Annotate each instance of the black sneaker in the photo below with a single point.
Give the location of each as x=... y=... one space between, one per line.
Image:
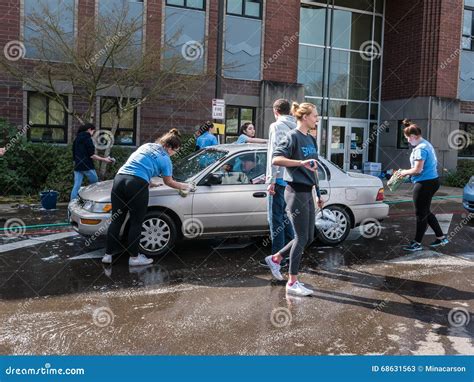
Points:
x=439 y=242
x=413 y=247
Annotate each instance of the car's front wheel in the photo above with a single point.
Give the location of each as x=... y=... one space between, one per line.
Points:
x=337 y=233
x=158 y=234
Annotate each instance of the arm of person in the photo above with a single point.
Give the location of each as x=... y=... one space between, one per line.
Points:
x=170 y=182
x=2 y=151
x=102 y=159
x=285 y=162
x=418 y=169
x=256 y=140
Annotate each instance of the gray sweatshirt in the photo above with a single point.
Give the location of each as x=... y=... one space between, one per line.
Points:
x=276 y=135
x=299 y=146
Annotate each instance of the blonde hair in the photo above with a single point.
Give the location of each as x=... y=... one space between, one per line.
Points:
x=301 y=109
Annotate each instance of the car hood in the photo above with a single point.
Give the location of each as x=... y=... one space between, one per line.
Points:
x=101 y=191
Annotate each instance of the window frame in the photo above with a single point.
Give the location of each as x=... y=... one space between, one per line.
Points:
x=463 y=127
x=242 y=14
x=401 y=137
x=236 y=156
x=239 y=120
x=185 y=6
x=47 y=125
x=119 y=129
x=471 y=36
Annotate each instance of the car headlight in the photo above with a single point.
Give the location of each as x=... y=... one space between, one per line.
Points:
x=97 y=207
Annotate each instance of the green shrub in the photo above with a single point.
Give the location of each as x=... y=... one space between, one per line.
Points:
x=461 y=176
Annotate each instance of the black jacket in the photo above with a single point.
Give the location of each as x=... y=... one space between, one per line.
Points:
x=82 y=150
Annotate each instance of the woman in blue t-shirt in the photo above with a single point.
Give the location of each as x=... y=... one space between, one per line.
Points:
x=247 y=134
x=424 y=175
x=206 y=138
x=130 y=193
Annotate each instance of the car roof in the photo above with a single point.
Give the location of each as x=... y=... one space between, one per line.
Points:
x=235 y=148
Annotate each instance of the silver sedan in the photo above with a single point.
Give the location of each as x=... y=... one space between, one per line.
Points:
x=229 y=200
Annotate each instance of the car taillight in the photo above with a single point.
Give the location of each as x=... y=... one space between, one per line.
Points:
x=380 y=195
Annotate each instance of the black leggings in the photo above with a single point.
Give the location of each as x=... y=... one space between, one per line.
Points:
x=129 y=194
x=422 y=195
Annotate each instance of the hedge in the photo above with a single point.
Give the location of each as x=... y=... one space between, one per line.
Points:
x=29 y=168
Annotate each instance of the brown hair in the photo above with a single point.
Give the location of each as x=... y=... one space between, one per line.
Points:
x=410 y=128
x=172 y=139
x=282 y=106
x=206 y=126
x=244 y=127
x=302 y=109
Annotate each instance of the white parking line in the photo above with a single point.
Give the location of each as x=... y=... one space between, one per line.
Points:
x=444 y=222
x=36 y=241
x=90 y=255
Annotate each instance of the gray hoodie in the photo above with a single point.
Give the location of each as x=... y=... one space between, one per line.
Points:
x=276 y=134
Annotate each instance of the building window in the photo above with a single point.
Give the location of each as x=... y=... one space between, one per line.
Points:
x=469 y=150
x=193 y=4
x=245 y=8
x=127 y=128
x=243 y=40
x=236 y=116
x=47 y=119
x=120 y=26
x=402 y=142
x=184 y=49
x=48 y=29
x=468 y=29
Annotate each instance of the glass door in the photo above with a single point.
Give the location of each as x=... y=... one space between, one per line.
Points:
x=347 y=144
x=358 y=149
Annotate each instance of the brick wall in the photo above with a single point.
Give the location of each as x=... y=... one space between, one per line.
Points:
x=158 y=116
x=467 y=107
x=421 y=54
x=282 y=24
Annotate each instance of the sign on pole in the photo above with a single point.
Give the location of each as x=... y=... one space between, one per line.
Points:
x=218 y=109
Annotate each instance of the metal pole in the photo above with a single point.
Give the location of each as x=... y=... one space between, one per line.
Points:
x=220 y=43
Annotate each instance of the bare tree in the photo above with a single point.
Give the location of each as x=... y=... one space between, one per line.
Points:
x=109 y=56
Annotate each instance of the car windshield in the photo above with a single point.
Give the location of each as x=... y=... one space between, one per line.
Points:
x=193 y=164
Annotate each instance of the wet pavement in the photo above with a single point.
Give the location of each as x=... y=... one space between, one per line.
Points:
x=370 y=297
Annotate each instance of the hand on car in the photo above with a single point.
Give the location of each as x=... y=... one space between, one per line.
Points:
x=320 y=203
x=2 y=151
x=154 y=184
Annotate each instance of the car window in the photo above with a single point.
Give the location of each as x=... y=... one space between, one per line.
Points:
x=321 y=172
x=193 y=164
x=246 y=168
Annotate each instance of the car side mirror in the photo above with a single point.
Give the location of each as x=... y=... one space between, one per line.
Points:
x=213 y=180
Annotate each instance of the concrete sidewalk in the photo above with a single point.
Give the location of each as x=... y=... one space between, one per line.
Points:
x=404 y=193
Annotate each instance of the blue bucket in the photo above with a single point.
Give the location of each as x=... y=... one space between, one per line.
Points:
x=49 y=199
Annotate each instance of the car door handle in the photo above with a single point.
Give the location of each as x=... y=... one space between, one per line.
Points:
x=323 y=192
x=260 y=195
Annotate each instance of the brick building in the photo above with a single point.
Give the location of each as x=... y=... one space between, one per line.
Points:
x=366 y=64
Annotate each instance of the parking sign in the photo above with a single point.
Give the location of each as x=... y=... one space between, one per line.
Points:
x=218 y=108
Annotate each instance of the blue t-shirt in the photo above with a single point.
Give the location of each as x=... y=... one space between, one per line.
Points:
x=150 y=160
x=206 y=140
x=242 y=139
x=424 y=151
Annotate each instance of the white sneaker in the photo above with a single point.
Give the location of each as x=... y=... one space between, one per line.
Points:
x=139 y=260
x=298 y=290
x=274 y=267
x=107 y=259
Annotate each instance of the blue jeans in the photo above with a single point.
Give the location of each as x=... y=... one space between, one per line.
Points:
x=78 y=177
x=281 y=230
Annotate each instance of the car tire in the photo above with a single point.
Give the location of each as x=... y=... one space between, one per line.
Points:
x=335 y=236
x=159 y=233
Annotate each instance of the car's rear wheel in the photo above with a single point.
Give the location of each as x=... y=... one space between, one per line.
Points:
x=158 y=234
x=337 y=234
